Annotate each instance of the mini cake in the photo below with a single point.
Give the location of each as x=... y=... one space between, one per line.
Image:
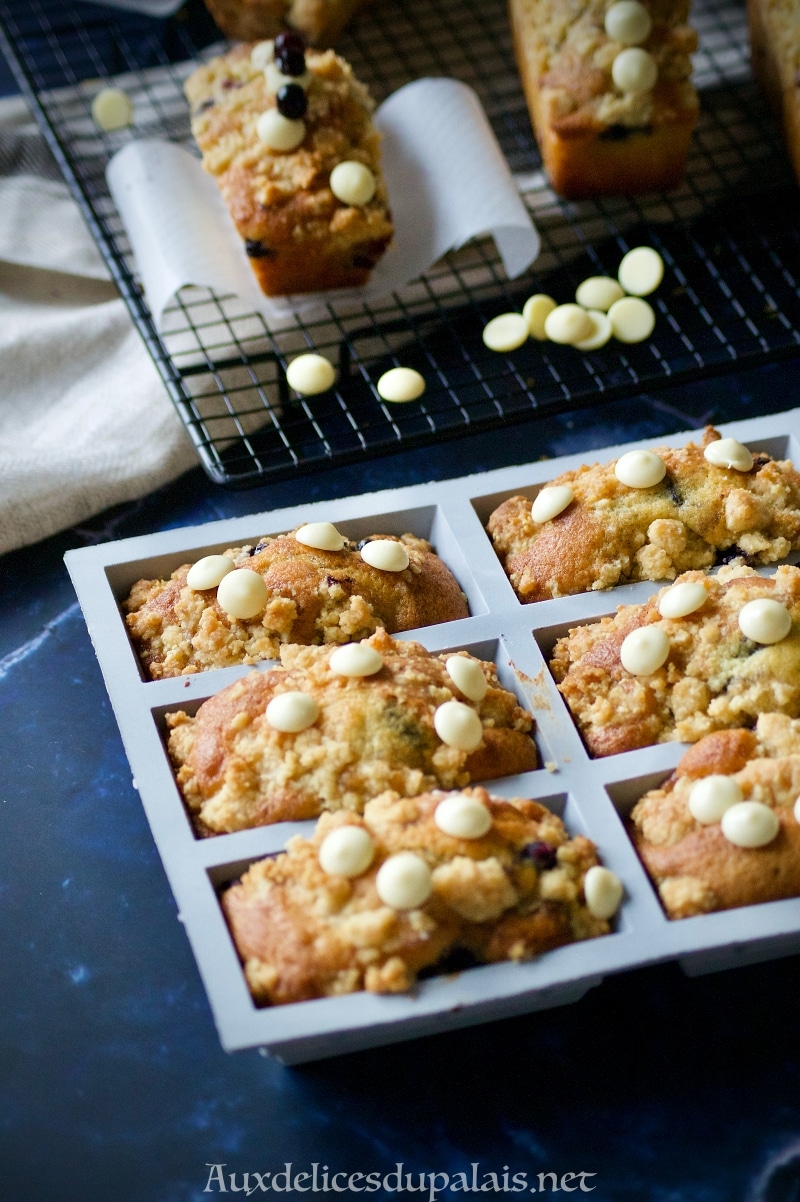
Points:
x=608 y=85
x=333 y=727
x=706 y=654
x=319 y=21
x=775 y=53
x=649 y=516
x=724 y=829
x=302 y=593
x=288 y=136
x=368 y=902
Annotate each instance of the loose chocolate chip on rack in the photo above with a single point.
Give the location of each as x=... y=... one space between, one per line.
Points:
x=292 y=101
x=601 y=332
x=112 y=109
x=598 y=292
x=568 y=324
x=506 y=332
x=310 y=374
x=401 y=384
x=632 y=319
x=535 y=311
x=641 y=271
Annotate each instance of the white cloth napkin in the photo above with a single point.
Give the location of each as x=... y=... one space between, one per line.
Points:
x=85 y=421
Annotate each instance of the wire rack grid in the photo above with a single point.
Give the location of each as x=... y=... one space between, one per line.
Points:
x=729 y=235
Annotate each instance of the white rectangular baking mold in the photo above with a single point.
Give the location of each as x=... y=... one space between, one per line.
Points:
x=591 y=795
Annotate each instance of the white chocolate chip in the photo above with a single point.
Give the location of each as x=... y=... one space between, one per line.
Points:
x=568 y=324
x=750 y=824
x=711 y=796
x=634 y=70
x=640 y=469
x=601 y=332
x=462 y=817
x=796 y=810
x=603 y=891
x=346 y=851
x=535 y=311
x=278 y=132
x=356 y=659
x=112 y=109
x=400 y=384
x=506 y=332
x=292 y=712
x=322 y=536
x=644 y=650
x=208 y=571
x=550 y=501
x=385 y=554
x=632 y=319
x=242 y=593
x=275 y=79
x=261 y=54
x=353 y=183
x=310 y=374
x=467 y=675
x=457 y=725
x=404 y=881
x=682 y=599
x=628 y=22
x=730 y=453
x=641 y=271
x=598 y=292
x=765 y=620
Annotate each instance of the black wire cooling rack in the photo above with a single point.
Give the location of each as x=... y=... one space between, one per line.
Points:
x=730 y=238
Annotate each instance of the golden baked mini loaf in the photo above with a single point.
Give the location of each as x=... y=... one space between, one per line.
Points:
x=609 y=90
x=369 y=902
x=612 y=532
x=333 y=727
x=735 y=655
x=311 y=596
x=319 y=21
x=744 y=847
x=274 y=122
x=775 y=54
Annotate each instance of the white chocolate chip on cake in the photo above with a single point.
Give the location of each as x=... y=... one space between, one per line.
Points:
x=634 y=70
x=506 y=332
x=550 y=501
x=568 y=324
x=292 y=712
x=467 y=675
x=356 y=659
x=242 y=593
x=462 y=817
x=404 y=881
x=765 y=621
x=385 y=554
x=729 y=453
x=276 y=80
x=644 y=650
x=683 y=599
x=598 y=292
x=112 y=109
x=209 y=571
x=310 y=374
x=628 y=22
x=711 y=796
x=632 y=319
x=346 y=851
x=278 y=132
x=261 y=54
x=458 y=726
x=353 y=183
x=640 y=469
x=601 y=332
x=796 y=810
x=535 y=311
x=400 y=384
x=322 y=536
x=750 y=824
x=603 y=891
x=641 y=271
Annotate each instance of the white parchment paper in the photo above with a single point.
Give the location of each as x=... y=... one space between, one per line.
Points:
x=447 y=179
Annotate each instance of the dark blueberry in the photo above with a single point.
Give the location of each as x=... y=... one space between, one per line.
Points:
x=207 y=104
x=292 y=101
x=257 y=250
x=290 y=61
x=260 y=546
x=761 y=459
x=543 y=854
x=289 y=40
x=674 y=491
x=229 y=84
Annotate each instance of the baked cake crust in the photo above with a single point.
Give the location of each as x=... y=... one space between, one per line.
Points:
x=373 y=733
x=714 y=678
x=694 y=867
x=612 y=534
x=775 y=54
x=314 y=596
x=298 y=236
x=302 y=933
x=319 y=21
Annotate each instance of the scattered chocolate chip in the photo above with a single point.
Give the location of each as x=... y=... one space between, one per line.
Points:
x=257 y=250
x=542 y=854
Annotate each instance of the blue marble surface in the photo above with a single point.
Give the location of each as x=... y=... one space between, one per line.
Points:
x=114 y=1086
